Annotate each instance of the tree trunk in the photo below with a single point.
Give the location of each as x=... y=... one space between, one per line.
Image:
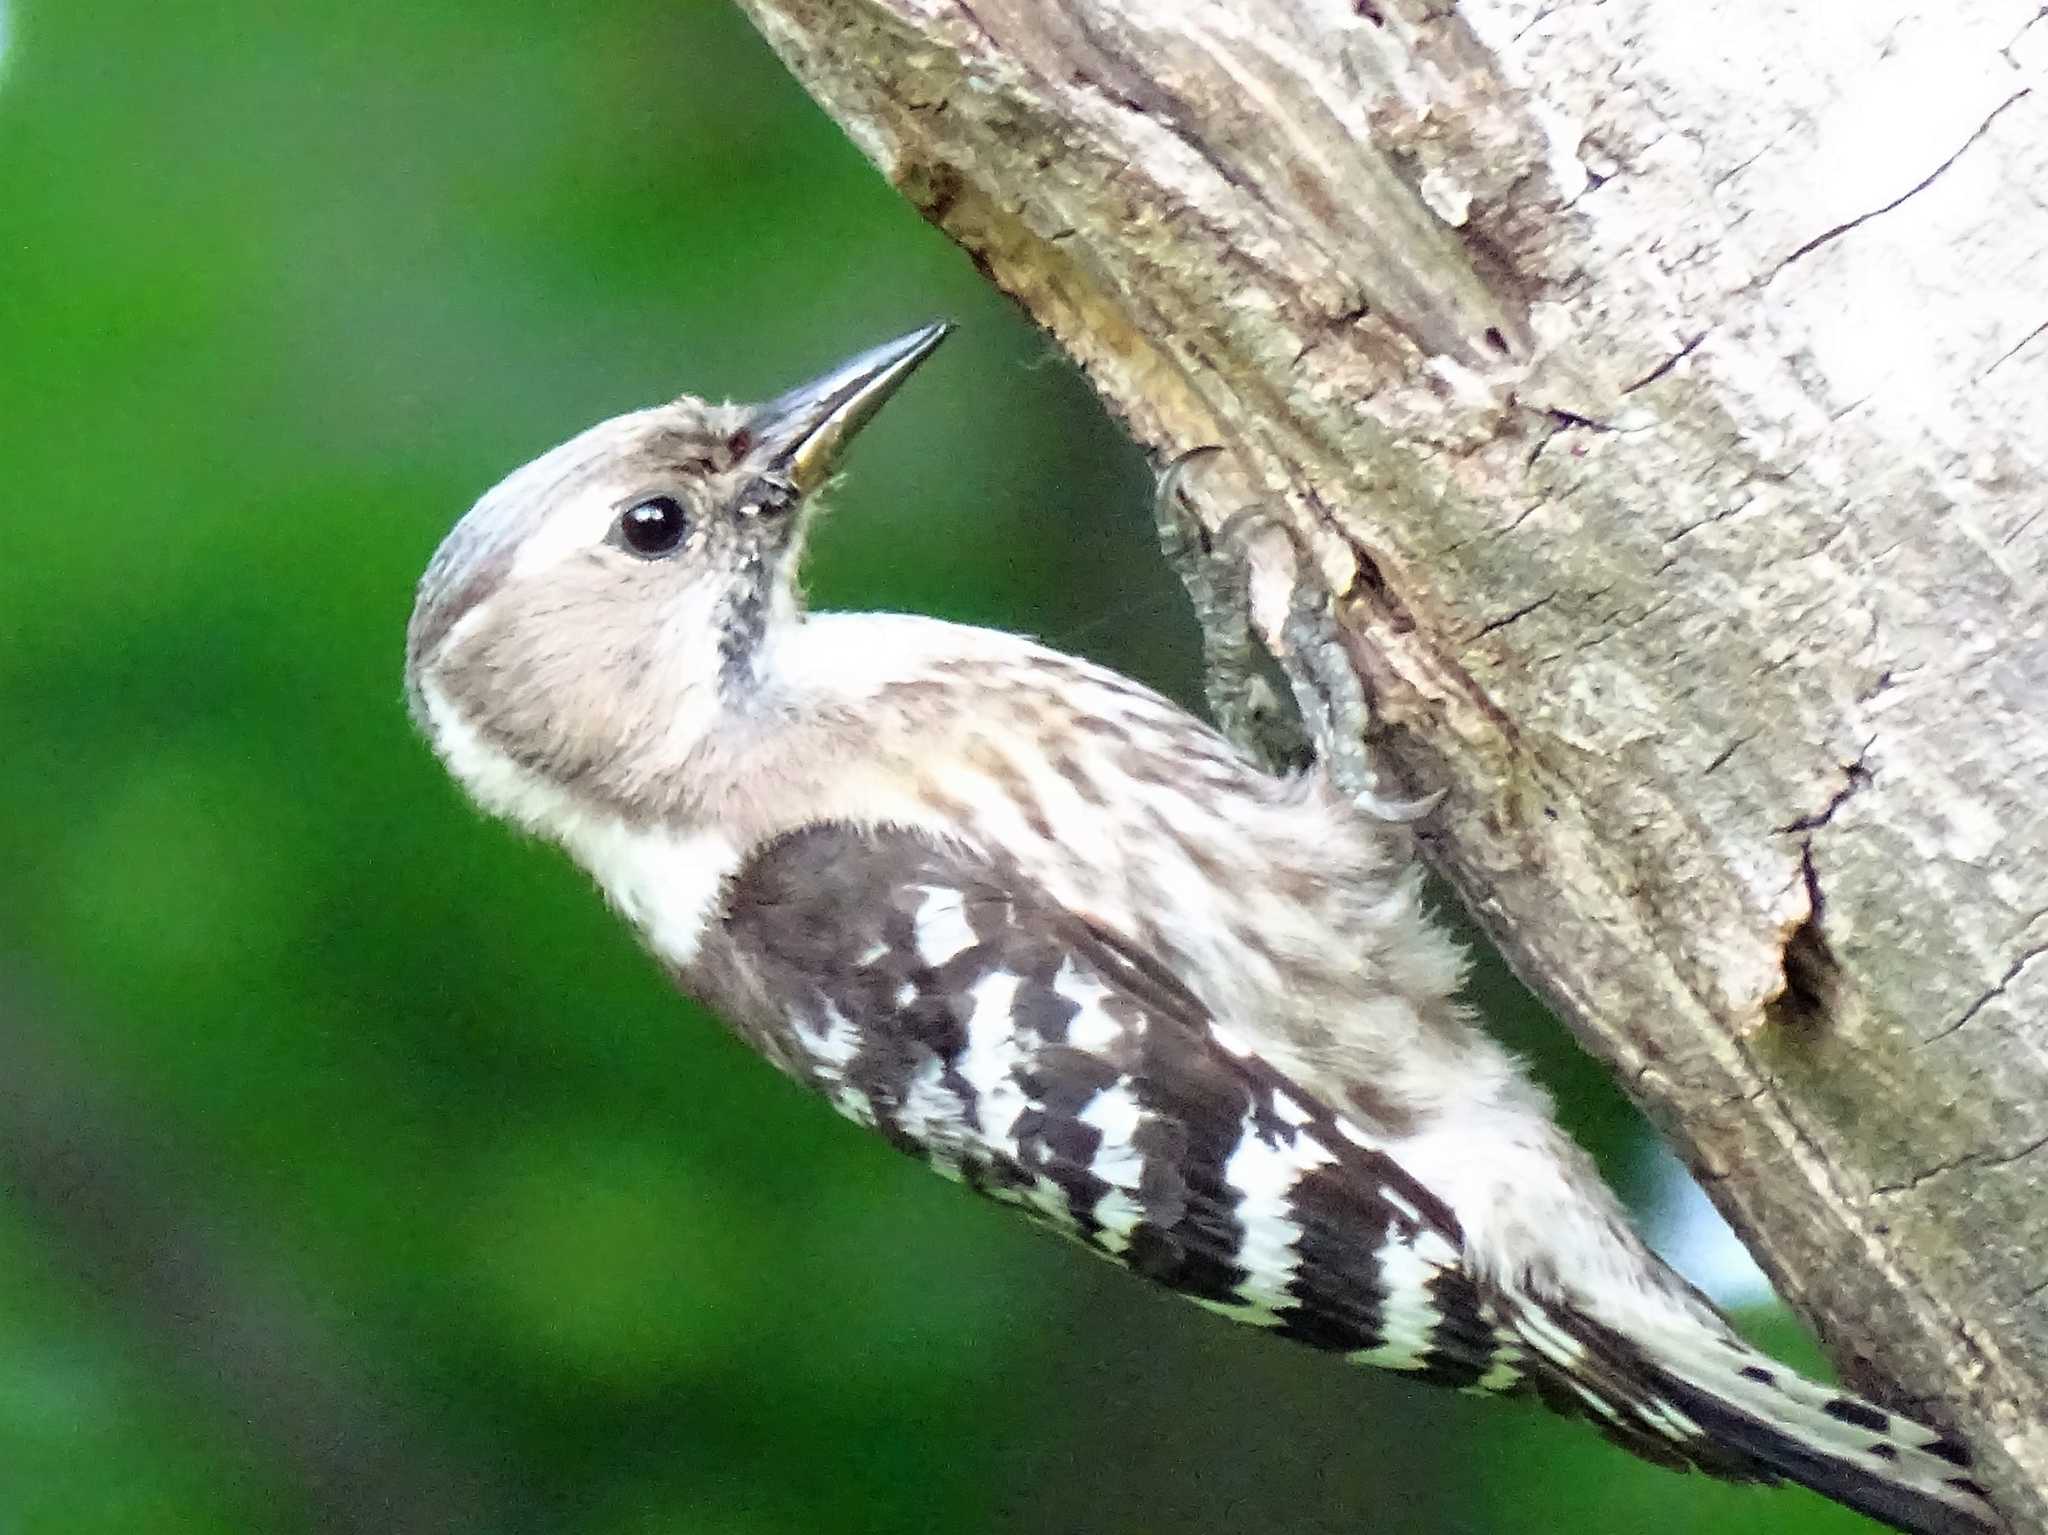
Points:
x=1661 y=394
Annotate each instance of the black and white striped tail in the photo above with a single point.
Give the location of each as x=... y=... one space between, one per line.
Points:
x=1027 y=1052
x=1689 y=1398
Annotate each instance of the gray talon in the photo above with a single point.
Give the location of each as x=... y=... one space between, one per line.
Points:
x=1400 y=812
x=1242 y=700
x=1335 y=717
x=1166 y=499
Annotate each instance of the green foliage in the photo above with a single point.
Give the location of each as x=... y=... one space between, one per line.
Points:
x=283 y=287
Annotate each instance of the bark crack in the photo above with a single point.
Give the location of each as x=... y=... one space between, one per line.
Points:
x=1635 y=621
x=1997 y=990
x=1690 y=528
x=1561 y=421
x=978 y=24
x=1666 y=365
x=1721 y=757
x=1856 y=775
x=1827 y=236
x=1969 y=1159
x=2012 y=351
x=1543 y=14
x=2014 y=41
x=1494 y=626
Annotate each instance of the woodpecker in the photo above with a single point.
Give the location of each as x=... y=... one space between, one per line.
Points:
x=1047 y=932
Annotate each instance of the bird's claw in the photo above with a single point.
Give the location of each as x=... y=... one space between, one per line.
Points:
x=1245 y=579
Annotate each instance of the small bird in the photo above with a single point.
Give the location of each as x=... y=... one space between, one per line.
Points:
x=1044 y=930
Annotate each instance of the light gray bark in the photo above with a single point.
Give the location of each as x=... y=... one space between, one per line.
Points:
x=1662 y=394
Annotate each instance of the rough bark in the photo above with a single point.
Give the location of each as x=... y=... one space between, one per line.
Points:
x=1662 y=394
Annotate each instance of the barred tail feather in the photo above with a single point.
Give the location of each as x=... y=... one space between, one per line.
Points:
x=1694 y=1398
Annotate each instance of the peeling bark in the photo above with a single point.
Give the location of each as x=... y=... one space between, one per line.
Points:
x=1661 y=396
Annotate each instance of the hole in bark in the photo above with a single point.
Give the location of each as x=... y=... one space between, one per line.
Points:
x=1374 y=585
x=1496 y=340
x=1813 y=976
x=933 y=188
x=1370 y=12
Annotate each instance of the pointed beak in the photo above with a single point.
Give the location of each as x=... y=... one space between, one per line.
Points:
x=805 y=431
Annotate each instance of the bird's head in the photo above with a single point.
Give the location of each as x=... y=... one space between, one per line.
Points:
x=599 y=612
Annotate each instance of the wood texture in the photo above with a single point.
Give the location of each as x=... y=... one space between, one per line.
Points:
x=1662 y=393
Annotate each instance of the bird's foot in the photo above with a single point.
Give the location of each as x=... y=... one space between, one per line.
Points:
x=1237 y=680
x=1245 y=580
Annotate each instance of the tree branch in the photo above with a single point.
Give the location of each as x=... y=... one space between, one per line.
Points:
x=1663 y=404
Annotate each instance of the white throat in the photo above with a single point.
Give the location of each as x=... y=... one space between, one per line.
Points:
x=669 y=883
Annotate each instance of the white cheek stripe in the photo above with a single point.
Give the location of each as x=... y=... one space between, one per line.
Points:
x=497 y=783
x=669 y=884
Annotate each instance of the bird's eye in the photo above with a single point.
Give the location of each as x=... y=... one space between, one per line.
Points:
x=653 y=527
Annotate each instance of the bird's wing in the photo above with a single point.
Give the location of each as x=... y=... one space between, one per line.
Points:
x=1030 y=1053
x=1044 y=1060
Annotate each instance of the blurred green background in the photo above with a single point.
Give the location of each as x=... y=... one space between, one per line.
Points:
x=358 y=1173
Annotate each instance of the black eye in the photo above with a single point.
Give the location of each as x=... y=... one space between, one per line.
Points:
x=653 y=527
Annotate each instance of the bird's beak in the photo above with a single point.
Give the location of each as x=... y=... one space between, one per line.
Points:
x=805 y=431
